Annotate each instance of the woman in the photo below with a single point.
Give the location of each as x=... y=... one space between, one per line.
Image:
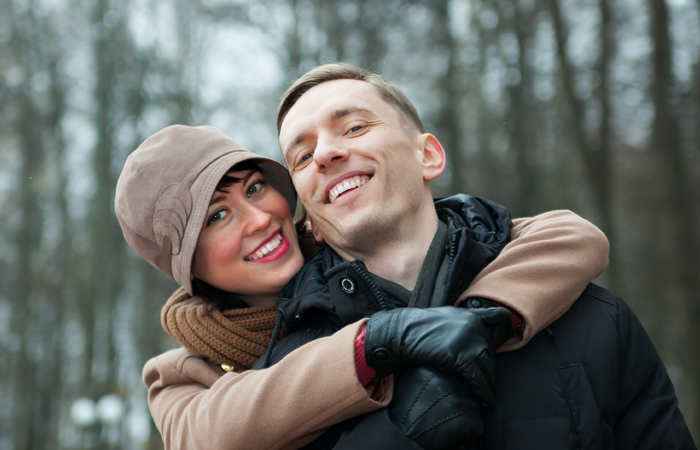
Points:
x=218 y=220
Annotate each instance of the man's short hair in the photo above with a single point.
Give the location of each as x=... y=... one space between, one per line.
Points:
x=339 y=71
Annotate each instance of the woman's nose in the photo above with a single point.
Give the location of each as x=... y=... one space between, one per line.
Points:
x=256 y=219
x=328 y=153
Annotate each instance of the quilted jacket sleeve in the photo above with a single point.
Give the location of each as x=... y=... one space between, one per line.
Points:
x=548 y=263
x=195 y=405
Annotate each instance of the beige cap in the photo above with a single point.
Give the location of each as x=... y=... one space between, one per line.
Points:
x=163 y=193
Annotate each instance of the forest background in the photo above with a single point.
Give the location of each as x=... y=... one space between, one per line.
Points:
x=589 y=105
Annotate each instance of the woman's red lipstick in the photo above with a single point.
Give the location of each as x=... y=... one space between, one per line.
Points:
x=275 y=253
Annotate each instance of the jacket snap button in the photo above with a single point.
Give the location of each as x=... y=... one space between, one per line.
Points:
x=475 y=303
x=347 y=285
x=381 y=354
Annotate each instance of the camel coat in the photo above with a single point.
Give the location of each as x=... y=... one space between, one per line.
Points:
x=196 y=405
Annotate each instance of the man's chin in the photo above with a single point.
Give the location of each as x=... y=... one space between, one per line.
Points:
x=358 y=232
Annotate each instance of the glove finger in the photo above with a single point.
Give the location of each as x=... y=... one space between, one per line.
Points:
x=493 y=316
x=477 y=381
x=485 y=363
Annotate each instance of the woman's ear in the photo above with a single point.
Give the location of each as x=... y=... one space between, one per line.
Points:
x=317 y=234
x=434 y=158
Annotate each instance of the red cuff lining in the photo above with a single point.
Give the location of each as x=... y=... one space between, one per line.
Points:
x=364 y=372
x=516 y=320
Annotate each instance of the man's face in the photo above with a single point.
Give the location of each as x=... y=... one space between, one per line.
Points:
x=354 y=162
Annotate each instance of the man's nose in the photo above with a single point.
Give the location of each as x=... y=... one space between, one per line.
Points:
x=328 y=153
x=256 y=219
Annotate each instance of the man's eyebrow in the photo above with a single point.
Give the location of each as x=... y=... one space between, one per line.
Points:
x=333 y=116
x=340 y=113
x=297 y=140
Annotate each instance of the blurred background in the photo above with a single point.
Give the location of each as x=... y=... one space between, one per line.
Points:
x=590 y=105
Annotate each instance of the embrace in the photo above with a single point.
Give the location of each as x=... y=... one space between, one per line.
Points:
x=385 y=319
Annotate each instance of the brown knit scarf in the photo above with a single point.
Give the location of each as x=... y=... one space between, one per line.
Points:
x=235 y=337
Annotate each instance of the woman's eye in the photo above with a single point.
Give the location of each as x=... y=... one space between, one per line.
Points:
x=253 y=188
x=217 y=216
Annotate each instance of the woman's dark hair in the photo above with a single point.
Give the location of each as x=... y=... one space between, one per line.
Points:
x=227 y=181
x=215 y=297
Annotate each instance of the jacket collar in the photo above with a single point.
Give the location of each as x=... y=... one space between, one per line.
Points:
x=478 y=229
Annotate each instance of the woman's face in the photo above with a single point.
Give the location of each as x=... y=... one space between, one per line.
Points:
x=248 y=244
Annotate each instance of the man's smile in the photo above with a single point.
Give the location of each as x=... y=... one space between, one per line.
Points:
x=347 y=183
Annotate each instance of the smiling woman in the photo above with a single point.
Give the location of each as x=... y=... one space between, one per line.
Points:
x=245 y=245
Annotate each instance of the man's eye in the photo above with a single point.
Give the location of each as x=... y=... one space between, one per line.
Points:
x=306 y=157
x=356 y=128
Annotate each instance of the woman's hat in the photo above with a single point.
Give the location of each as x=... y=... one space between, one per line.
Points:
x=163 y=193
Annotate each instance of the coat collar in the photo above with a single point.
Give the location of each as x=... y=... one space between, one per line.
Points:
x=478 y=229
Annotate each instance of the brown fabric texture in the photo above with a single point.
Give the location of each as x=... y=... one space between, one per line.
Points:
x=196 y=405
x=235 y=337
x=549 y=262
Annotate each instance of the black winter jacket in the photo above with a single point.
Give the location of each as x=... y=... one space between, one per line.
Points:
x=592 y=380
x=329 y=293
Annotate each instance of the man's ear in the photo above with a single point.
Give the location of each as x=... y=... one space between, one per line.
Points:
x=317 y=234
x=434 y=158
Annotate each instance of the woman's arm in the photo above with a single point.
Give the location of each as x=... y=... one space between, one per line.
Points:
x=549 y=262
x=196 y=405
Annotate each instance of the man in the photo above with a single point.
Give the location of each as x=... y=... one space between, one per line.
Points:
x=362 y=165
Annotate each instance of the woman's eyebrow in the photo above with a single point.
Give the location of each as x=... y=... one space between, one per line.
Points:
x=218 y=195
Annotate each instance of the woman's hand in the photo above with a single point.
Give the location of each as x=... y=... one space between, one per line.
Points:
x=456 y=340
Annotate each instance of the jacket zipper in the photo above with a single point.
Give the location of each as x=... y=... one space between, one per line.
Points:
x=453 y=244
x=378 y=294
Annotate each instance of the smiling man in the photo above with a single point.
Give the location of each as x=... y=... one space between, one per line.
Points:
x=362 y=165
x=364 y=173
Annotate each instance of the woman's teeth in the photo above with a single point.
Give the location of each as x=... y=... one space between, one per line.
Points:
x=267 y=248
x=346 y=185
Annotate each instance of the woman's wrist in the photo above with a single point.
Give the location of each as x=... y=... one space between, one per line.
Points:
x=365 y=373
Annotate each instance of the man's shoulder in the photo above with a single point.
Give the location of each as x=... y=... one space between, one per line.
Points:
x=592 y=319
x=598 y=300
x=598 y=319
x=595 y=292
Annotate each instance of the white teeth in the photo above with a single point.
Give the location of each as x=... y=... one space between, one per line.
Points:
x=267 y=248
x=346 y=185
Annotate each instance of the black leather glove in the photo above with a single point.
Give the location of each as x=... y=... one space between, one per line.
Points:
x=453 y=339
x=480 y=305
x=436 y=409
